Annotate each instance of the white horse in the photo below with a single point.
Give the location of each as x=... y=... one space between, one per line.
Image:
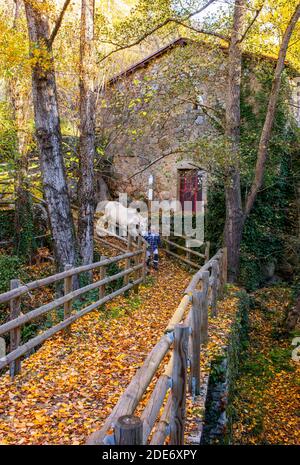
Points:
x=116 y=215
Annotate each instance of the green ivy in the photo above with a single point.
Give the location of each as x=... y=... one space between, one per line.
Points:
x=269 y=224
x=10 y=268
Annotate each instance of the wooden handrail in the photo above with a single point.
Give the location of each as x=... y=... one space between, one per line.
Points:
x=7 y=296
x=197 y=276
x=14 y=295
x=135 y=390
x=178 y=315
x=195 y=324
x=21 y=320
x=182 y=259
x=23 y=349
x=186 y=249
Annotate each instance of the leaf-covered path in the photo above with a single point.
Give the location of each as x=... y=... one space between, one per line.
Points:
x=69 y=386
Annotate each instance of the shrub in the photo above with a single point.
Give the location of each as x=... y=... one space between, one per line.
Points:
x=10 y=268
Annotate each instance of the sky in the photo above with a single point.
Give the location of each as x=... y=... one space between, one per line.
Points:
x=213 y=9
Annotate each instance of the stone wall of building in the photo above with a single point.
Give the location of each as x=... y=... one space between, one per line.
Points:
x=161 y=112
x=155 y=113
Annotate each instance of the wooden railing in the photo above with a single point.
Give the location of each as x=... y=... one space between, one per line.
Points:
x=17 y=320
x=189 y=252
x=185 y=333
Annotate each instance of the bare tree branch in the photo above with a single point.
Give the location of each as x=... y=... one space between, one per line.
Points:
x=163 y=24
x=251 y=23
x=58 y=23
x=155 y=161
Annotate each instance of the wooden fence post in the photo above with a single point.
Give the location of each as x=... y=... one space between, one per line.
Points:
x=145 y=261
x=187 y=253
x=167 y=245
x=204 y=318
x=102 y=276
x=136 y=262
x=129 y=431
x=68 y=287
x=206 y=253
x=127 y=261
x=179 y=383
x=15 y=334
x=214 y=286
x=196 y=341
x=224 y=266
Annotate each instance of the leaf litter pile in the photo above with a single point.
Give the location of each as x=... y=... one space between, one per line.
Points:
x=267 y=399
x=69 y=386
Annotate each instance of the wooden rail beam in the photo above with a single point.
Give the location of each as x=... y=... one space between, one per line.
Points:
x=23 y=349
x=162 y=429
x=179 y=313
x=135 y=390
x=186 y=249
x=155 y=402
x=19 y=321
x=184 y=260
x=7 y=296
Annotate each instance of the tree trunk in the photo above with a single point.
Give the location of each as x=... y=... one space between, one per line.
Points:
x=47 y=127
x=86 y=189
x=20 y=104
x=269 y=120
x=234 y=211
x=234 y=223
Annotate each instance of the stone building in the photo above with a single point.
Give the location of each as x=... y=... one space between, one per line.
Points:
x=157 y=116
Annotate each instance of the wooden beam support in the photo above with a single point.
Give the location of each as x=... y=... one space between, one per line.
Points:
x=15 y=334
x=179 y=384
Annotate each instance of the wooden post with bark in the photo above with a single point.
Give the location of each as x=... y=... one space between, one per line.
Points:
x=102 y=276
x=137 y=259
x=68 y=287
x=179 y=384
x=145 y=261
x=188 y=253
x=214 y=286
x=224 y=266
x=127 y=261
x=167 y=243
x=15 y=334
x=196 y=315
x=128 y=431
x=206 y=253
x=204 y=313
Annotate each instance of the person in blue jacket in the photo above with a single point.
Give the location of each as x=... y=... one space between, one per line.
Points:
x=154 y=243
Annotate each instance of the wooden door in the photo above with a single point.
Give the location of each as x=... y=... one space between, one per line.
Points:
x=190 y=187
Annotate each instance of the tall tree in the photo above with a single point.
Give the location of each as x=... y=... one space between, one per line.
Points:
x=236 y=215
x=271 y=110
x=87 y=133
x=47 y=129
x=234 y=210
x=18 y=97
